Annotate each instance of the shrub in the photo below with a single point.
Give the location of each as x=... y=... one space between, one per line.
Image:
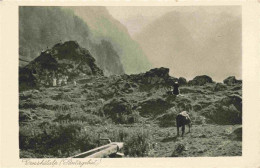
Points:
x=136 y=144
x=56 y=139
x=117 y=110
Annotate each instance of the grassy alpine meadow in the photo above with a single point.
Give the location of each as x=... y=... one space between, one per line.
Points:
x=59 y=122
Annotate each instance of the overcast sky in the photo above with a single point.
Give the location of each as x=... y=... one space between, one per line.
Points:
x=135 y=18
x=190 y=40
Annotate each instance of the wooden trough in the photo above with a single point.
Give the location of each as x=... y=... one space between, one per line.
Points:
x=110 y=150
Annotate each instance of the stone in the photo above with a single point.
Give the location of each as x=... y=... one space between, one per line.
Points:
x=231 y=80
x=200 y=80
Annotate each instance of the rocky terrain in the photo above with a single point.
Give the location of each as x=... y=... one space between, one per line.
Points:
x=138 y=109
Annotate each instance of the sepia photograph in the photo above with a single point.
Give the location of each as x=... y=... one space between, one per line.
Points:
x=130 y=81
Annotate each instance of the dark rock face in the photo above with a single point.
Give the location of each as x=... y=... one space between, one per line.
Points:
x=226 y=111
x=157 y=77
x=182 y=81
x=232 y=80
x=64 y=59
x=234 y=99
x=200 y=80
x=151 y=77
x=160 y=72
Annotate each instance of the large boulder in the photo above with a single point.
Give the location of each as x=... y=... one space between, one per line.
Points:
x=234 y=99
x=64 y=59
x=200 y=80
x=155 y=78
x=231 y=81
x=225 y=111
x=160 y=72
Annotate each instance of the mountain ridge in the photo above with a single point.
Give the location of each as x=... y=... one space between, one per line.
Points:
x=191 y=46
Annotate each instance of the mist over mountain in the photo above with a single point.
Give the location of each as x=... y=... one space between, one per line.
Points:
x=42 y=27
x=195 y=41
x=136 y=23
x=104 y=26
x=107 y=40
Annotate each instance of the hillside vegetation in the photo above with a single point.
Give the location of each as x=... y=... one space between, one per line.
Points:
x=136 y=109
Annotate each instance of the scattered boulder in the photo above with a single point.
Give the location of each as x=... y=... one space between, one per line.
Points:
x=220 y=87
x=178 y=149
x=152 y=77
x=236 y=134
x=200 y=80
x=182 y=81
x=234 y=99
x=202 y=136
x=154 y=106
x=160 y=72
x=237 y=88
x=231 y=80
x=225 y=111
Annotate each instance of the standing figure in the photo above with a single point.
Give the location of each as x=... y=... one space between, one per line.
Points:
x=59 y=81
x=176 y=89
x=54 y=81
x=183 y=119
x=74 y=82
x=65 y=80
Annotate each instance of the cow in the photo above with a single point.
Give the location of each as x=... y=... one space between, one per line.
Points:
x=183 y=119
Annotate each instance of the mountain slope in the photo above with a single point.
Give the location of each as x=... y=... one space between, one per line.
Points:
x=42 y=27
x=195 y=42
x=103 y=25
x=63 y=121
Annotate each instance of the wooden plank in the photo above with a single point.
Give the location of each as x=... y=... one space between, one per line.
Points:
x=102 y=151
